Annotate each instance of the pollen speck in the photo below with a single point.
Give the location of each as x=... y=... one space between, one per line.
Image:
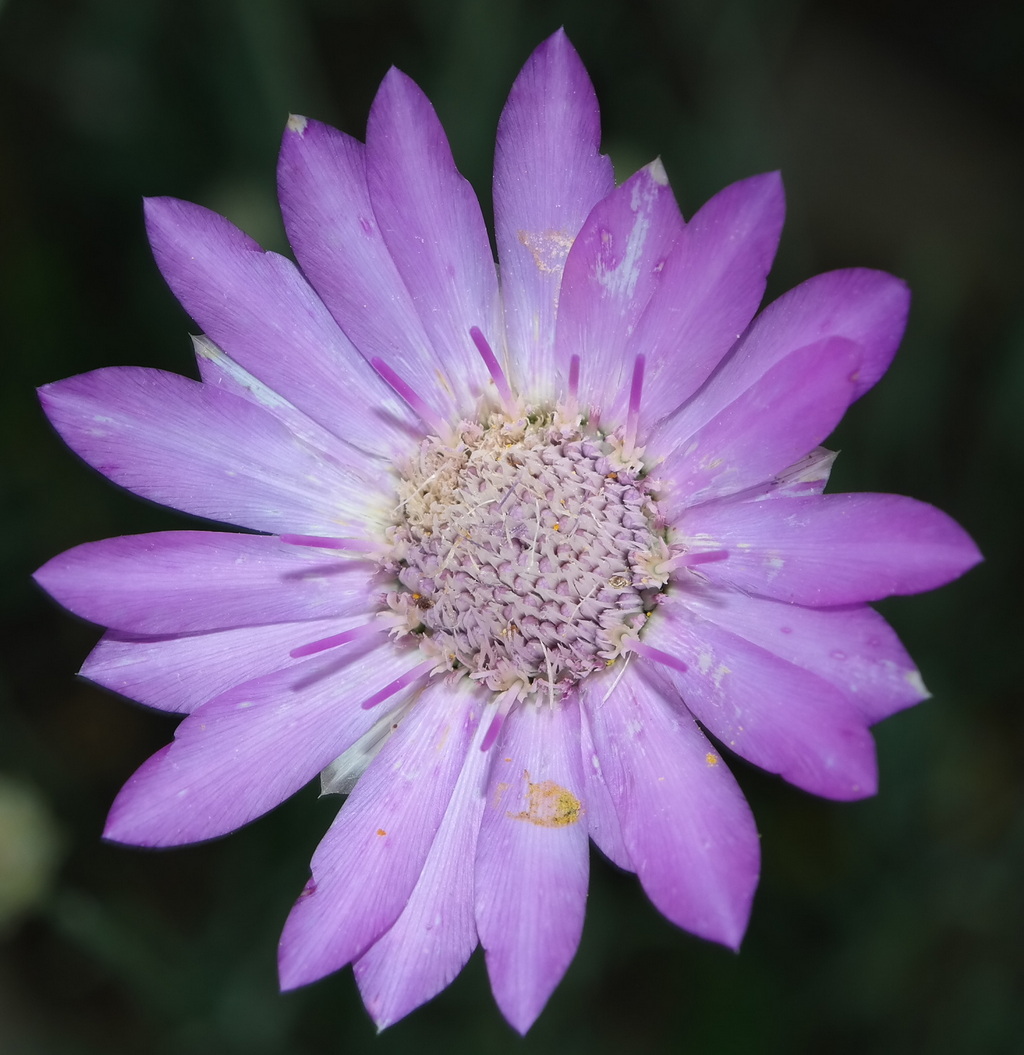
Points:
x=550 y=806
x=380 y=831
x=711 y=759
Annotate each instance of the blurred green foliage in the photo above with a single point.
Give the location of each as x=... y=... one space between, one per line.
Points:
x=887 y=926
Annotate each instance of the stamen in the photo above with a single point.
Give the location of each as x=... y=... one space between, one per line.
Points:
x=409 y=394
x=398 y=684
x=506 y=701
x=655 y=654
x=574 y=382
x=633 y=414
x=312 y=647
x=493 y=368
x=690 y=559
x=354 y=545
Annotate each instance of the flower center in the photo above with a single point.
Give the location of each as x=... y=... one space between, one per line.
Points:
x=527 y=555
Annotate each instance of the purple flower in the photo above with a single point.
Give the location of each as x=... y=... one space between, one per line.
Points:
x=521 y=529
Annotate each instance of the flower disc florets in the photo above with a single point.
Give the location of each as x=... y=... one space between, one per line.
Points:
x=527 y=550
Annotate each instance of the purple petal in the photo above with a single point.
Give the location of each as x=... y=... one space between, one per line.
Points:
x=206 y=452
x=259 y=309
x=435 y=935
x=366 y=866
x=245 y=751
x=711 y=286
x=864 y=306
x=175 y=582
x=785 y=413
x=602 y=818
x=218 y=371
x=548 y=175
x=331 y=225
x=686 y=825
x=430 y=220
x=781 y=717
x=611 y=271
x=831 y=549
x=179 y=673
x=852 y=648
x=531 y=873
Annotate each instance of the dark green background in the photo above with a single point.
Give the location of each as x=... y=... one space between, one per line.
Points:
x=891 y=925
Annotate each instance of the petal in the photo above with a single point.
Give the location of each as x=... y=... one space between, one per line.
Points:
x=330 y=222
x=831 y=549
x=611 y=271
x=175 y=582
x=206 y=452
x=245 y=751
x=852 y=648
x=602 y=818
x=712 y=284
x=806 y=476
x=180 y=673
x=435 y=935
x=259 y=309
x=765 y=429
x=366 y=866
x=781 y=717
x=430 y=220
x=686 y=825
x=219 y=371
x=864 y=306
x=531 y=870
x=548 y=175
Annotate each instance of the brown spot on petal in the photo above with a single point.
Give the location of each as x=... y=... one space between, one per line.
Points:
x=550 y=805
x=380 y=831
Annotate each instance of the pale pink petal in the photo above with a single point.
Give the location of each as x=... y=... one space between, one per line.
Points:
x=245 y=751
x=853 y=647
x=209 y=453
x=435 y=935
x=711 y=286
x=685 y=823
x=430 y=220
x=610 y=274
x=331 y=225
x=830 y=549
x=548 y=175
x=174 y=582
x=367 y=865
x=531 y=872
x=783 y=718
x=258 y=308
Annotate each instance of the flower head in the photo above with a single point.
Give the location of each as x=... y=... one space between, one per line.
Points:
x=516 y=539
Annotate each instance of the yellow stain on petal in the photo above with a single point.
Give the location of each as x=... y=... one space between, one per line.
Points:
x=711 y=759
x=548 y=248
x=549 y=805
x=499 y=790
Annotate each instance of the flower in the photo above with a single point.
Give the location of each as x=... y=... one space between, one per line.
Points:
x=517 y=538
